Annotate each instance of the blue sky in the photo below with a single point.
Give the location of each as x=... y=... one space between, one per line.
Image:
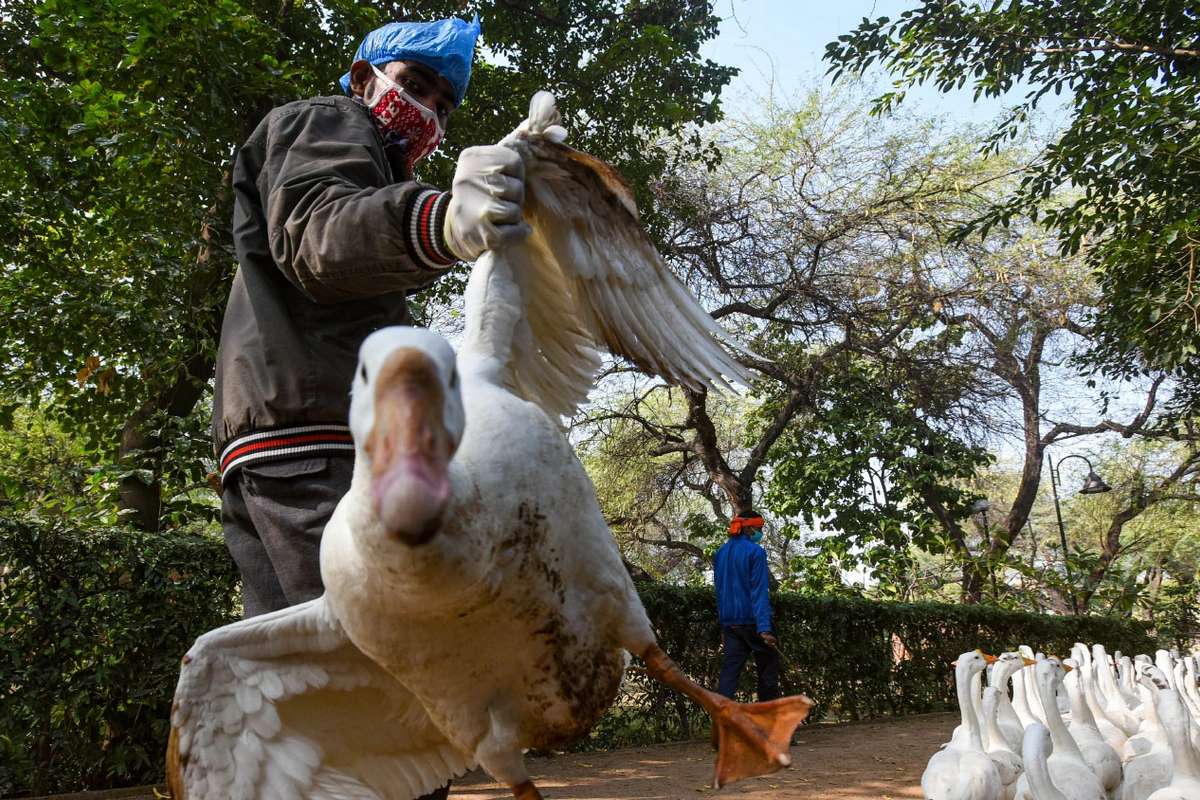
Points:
x=785 y=40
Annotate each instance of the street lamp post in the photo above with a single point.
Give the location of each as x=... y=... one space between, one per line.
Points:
x=981 y=507
x=1093 y=485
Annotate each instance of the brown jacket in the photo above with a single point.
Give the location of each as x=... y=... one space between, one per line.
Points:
x=328 y=247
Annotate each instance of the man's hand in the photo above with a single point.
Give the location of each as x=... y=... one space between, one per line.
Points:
x=484 y=212
x=769 y=638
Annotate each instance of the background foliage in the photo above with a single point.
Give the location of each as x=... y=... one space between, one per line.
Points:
x=95 y=622
x=1130 y=73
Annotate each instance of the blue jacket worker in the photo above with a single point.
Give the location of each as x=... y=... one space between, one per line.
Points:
x=741 y=580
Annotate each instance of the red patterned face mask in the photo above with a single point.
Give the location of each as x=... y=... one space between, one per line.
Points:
x=403 y=120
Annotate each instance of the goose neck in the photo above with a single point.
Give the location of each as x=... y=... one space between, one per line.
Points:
x=1176 y=723
x=966 y=705
x=1039 y=773
x=1064 y=743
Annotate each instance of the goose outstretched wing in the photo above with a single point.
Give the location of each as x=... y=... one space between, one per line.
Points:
x=284 y=705
x=591 y=278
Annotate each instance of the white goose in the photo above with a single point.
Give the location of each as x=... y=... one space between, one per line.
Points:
x=962 y=770
x=1008 y=762
x=1166 y=664
x=1007 y=665
x=1189 y=682
x=1182 y=685
x=976 y=691
x=1125 y=677
x=1117 y=699
x=1185 y=780
x=1148 y=760
x=1158 y=681
x=1035 y=752
x=476 y=604
x=1101 y=756
x=977 y=703
x=1023 y=687
x=1112 y=719
x=1070 y=772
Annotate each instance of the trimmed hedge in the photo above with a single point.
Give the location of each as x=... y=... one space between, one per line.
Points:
x=855 y=658
x=94 y=624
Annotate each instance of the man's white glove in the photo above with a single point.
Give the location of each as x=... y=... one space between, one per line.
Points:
x=484 y=212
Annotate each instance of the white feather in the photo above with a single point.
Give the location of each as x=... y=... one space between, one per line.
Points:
x=284 y=706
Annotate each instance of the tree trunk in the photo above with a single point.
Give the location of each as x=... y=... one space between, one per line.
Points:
x=1153 y=584
x=972 y=583
x=706 y=446
x=141 y=445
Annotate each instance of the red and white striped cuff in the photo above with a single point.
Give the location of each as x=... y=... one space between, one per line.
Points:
x=423 y=232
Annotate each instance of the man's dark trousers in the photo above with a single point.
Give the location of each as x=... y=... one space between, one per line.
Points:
x=739 y=642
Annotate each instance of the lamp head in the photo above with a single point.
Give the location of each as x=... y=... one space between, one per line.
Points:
x=1094 y=485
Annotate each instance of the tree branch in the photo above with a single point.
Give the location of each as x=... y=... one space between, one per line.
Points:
x=1110 y=46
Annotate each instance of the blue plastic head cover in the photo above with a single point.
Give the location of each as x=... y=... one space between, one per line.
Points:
x=446 y=45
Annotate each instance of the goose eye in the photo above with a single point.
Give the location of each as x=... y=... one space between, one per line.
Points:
x=453 y=378
x=362 y=370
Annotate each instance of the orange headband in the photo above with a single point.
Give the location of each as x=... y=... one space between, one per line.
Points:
x=737 y=523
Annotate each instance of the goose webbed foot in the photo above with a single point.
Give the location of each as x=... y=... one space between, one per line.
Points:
x=752 y=739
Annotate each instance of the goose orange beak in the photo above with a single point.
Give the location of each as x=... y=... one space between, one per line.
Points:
x=409 y=447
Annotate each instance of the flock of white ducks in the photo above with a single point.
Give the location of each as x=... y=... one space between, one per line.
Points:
x=1087 y=727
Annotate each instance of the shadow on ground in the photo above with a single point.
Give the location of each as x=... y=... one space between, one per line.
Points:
x=876 y=760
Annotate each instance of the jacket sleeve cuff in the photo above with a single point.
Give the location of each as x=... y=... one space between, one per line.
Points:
x=425 y=219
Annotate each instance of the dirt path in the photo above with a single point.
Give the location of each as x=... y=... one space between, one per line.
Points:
x=878 y=760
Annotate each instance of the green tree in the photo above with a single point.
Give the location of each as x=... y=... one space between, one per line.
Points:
x=118 y=127
x=877 y=468
x=1131 y=74
x=44 y=474
x=816 y=240
x=655 y=506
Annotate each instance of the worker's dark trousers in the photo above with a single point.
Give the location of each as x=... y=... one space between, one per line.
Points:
x=273 y=515
x=739 y=642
